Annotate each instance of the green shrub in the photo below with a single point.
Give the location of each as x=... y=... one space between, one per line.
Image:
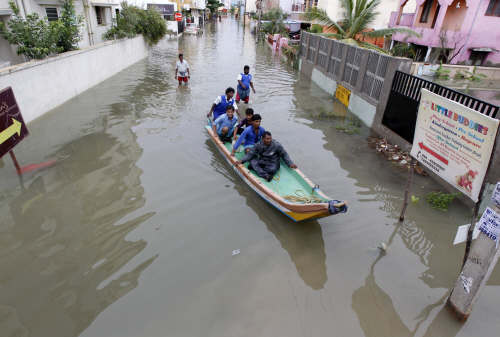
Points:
x=316 y=29
x=35 y=37
x=69 y=31
x=132 y=20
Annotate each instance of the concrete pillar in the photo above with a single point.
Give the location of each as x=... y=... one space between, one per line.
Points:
x=429 y=49
x=473 y=277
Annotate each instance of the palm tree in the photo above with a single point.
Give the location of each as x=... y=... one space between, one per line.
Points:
x=358 y=17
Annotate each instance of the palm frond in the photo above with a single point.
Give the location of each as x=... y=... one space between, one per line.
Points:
x=320 y=17
x=389 y=31
x=368 y=45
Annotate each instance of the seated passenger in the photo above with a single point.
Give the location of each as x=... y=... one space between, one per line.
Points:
x=244 y=123
x=221 y=102
x=250 y=136
x=268 y=162
x=224 y=125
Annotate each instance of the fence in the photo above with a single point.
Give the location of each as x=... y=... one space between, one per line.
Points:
x=400 y=115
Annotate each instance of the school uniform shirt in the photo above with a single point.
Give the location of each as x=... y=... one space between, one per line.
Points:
x=182 y=68
x=223 y=121
x=219 y=99
x=249 y=137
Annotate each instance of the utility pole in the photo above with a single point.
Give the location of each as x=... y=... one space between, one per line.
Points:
x=258 y=23
x=244 y=14
x=474 y=275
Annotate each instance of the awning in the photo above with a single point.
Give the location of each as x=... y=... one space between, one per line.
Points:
x=485 y=49
x=48 y=3
x=104 y=4
x=6 y=11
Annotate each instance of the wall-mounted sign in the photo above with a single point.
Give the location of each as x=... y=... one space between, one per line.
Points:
x=489 y=224
x=454 y=141
x=12 y=127
x=343 y=95
x=165 y=9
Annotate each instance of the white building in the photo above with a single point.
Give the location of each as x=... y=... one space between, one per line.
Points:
x=98 y=15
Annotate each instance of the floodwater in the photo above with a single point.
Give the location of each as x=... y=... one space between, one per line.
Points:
x=130 y=232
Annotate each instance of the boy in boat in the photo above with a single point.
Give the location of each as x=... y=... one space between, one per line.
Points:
x=268 y=162
x=221 y=102
x=244 y=84
x=250 y=136
x=247 y=122
x=183 y=68
x=224 y=125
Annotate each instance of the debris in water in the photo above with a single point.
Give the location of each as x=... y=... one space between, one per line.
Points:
x=384 y=246
x=394 y=154
x=235 y=252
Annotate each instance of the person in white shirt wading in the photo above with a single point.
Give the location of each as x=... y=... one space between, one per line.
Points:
x=183 y=68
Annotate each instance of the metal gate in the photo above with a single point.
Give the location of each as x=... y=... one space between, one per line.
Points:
x=400 y=114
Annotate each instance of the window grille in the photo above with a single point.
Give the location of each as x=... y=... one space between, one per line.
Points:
x=313 y=39
x=335 y=58
x=323 y=50
x=375 y=74
x=51 y=14
x=98 y=15
x=353 y=62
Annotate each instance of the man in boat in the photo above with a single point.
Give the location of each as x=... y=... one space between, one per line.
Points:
x=182 y=68
x=269 y=153
x=224 y=125
x=221 y=102
x=250 y=136
x=245 y=123
x=244 y=83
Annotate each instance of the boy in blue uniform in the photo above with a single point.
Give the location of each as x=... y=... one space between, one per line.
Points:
x=251 y=135
x=244 y=84
x=224 y=125
x=221 y=102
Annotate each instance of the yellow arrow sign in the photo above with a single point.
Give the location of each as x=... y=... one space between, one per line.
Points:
x=10 y=131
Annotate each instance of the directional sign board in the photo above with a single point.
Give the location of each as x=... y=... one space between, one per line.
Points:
x=178 y=16
x=12 y=127
x=454 y=141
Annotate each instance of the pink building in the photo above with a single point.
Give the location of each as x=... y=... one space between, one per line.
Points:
x=471 y=28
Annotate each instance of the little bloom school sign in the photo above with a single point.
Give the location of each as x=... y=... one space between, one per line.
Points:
x=454 y=141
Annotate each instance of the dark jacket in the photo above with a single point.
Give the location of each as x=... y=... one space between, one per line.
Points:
x=272 y=153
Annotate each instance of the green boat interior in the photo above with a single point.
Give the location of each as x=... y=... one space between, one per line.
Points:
x=286 y=181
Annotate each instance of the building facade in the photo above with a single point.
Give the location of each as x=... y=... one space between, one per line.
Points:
x=98 y=18
x=454 y=31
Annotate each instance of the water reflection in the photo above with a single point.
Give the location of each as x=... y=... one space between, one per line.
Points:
x=63 y=240
x=303 y=241
x=378 y=316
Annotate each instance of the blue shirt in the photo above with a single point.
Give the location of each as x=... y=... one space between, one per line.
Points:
x=249 y=136
x=224 y=120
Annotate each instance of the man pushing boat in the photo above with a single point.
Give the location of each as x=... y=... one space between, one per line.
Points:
x=269 y=153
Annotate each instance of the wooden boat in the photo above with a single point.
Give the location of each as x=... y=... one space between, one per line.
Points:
x=290 y=181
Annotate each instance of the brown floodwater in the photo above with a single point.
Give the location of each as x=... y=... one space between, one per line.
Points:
x=130 y=232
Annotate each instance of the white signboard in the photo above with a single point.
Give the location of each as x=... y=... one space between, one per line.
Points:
x=490 y=224
x=454 y=141
x=495 y=198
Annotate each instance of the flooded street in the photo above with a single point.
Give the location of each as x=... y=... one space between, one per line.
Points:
x=130 y=232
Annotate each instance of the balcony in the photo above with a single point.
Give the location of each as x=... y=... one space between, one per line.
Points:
x=298 y=8
x=405 y=21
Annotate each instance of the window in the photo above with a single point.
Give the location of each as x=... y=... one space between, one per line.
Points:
x=99 y=14
x=426 y=11
x=51 y=14
x=493 y=8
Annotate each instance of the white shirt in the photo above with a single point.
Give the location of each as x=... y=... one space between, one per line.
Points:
x=182 y=68
x=218 y=100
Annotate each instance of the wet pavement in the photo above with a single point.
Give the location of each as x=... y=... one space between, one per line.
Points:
x=130 y=233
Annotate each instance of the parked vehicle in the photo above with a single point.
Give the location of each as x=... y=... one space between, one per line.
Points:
x=191 y=28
